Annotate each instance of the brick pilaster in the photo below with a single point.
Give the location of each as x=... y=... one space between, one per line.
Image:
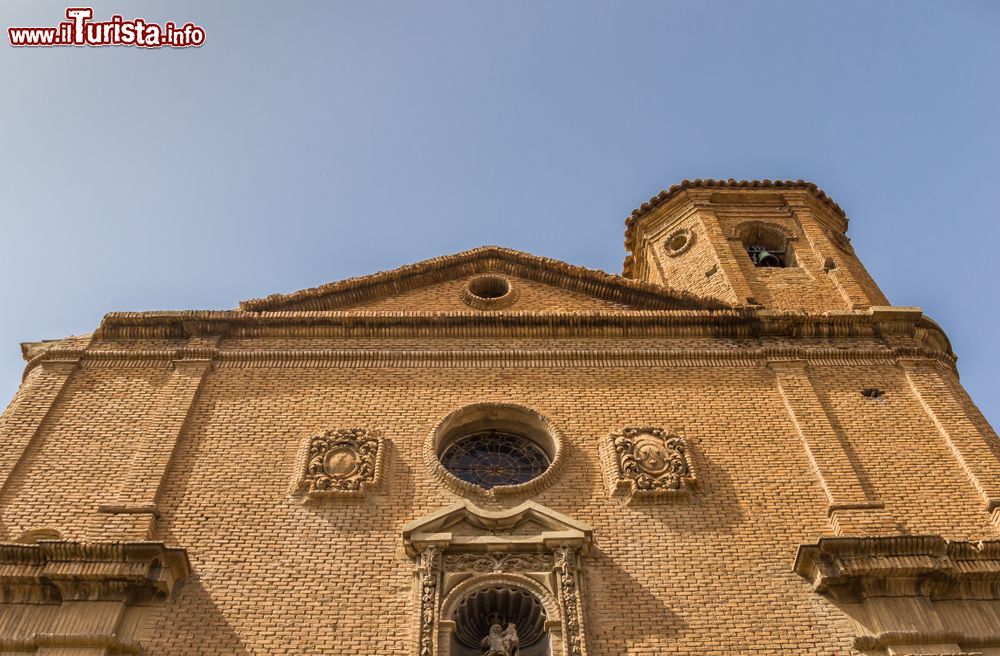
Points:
x=727 y=256
x=22 y=421
x=852 y=511
x=132 y=513
x=976 y=453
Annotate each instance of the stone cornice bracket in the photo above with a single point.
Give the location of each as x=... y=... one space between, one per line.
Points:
x=55 y=571
x=851 y=569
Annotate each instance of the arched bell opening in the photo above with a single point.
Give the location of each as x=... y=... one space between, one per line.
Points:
x=500 y=620
x=767 y=247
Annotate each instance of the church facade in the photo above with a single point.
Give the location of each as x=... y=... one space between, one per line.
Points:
x=738 y=446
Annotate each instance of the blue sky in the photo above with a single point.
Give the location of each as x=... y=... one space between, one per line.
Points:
x=334 y=139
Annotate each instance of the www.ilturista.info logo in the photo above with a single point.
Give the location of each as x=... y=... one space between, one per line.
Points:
x=80 y=30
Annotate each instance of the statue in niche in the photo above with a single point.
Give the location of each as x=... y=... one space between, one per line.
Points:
x=500 y=641
x=510 y=640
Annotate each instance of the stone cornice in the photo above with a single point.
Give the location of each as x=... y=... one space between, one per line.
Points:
x=851 y=569
x=446 y=358
x=54 y=571
x=744 y=322
x=754 y=325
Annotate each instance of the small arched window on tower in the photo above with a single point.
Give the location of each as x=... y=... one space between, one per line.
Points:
x=767 y=247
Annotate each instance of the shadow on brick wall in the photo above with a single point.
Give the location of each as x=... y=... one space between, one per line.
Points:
x=711 y=507
x=622 y=612
x=193 y=623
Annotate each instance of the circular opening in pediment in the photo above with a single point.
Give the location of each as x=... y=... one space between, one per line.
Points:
x=489 y=292
x=494 y=450
x=489 y=287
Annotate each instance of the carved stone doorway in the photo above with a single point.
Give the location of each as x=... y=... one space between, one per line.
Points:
x=477 y=568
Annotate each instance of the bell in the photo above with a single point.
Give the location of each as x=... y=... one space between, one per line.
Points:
x=762 y=258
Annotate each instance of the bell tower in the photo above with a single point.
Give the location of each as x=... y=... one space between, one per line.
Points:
x=780 y=244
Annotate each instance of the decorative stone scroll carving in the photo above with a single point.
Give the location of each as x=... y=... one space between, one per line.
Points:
x=569 y=594
x=910 y=594
x=516 y=569
x=645 y=463
x=498 y=561
x=428 y=575
x=342 y=463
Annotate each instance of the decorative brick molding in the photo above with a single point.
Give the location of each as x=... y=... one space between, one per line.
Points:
x=920 y=337
x=462 y=550
x=890 y=585
x=343 y=463
x=647 y=464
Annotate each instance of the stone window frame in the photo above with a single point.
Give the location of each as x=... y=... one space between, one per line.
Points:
x=475 y=416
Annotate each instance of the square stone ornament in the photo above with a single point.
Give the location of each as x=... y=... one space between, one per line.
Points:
x=343 y=463
x=647 y=464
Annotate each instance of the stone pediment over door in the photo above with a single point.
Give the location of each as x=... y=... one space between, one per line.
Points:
x=477 y=568
x=483 y=279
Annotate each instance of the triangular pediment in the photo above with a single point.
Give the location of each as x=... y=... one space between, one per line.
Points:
x=441 y=284
x=465 y=526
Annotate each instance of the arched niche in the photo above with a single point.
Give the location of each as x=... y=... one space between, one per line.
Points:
x=471 y=608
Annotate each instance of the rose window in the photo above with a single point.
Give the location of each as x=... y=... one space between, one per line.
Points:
x=491 y=458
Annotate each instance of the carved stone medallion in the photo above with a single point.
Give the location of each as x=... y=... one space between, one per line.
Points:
x=644 y=462
x=343 y=462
